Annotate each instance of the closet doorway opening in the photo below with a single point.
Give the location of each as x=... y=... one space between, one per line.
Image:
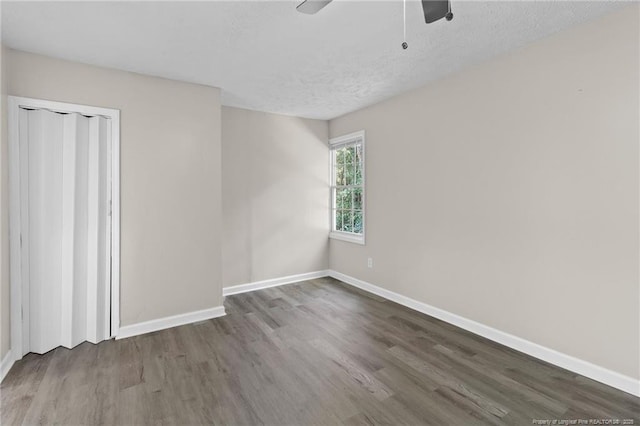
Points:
x=64 y=224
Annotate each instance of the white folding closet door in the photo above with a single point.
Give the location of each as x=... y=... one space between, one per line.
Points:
x=99 y=228
x=44 y=218
x=65 y=187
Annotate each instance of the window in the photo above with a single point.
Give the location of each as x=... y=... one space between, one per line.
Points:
x=347 y=187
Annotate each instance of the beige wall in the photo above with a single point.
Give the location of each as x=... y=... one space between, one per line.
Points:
x=274 y=195
x=5 y=320
x=170 y=178
x=508 y=193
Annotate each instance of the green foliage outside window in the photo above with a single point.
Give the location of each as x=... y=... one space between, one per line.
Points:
x=348 y=193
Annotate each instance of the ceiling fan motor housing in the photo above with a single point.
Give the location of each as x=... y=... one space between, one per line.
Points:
x=436 y=9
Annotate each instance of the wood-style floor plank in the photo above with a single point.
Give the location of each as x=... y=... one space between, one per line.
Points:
x=313 y=353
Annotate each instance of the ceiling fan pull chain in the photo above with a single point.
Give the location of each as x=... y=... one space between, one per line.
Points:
x=404 y=24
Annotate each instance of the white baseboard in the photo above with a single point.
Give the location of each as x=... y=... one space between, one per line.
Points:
x=274 y=282
x=168 y=322
x=568 y=362
x=7 y=363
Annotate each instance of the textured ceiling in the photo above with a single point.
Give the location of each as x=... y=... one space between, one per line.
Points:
x=265 y=56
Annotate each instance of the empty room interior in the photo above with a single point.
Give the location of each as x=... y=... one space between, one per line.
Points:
x=347 y=212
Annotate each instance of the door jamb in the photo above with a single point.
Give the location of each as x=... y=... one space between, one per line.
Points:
x=14 y=103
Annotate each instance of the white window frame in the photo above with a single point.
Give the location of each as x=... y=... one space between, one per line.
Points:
x=335 y=143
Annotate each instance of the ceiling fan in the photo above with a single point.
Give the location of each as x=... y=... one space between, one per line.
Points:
x=433 y=9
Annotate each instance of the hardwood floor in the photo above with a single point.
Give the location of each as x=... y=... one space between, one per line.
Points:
x=318 y=353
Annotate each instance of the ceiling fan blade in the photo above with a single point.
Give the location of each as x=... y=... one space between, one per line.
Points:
x=434 y=10
x=312 y=7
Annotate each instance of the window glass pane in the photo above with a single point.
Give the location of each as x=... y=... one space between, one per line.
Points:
x=346 y=198
x=343 y=199
x=357 y=222
x=338 y=219
x=347 y=221
x=340 y=153
x=358 y=154
x=349 y=174
x=358 y=175
x=350 y=155
x=357 y=199
x=340 y=174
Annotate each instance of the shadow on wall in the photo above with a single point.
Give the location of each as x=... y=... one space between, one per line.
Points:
x=276 y=198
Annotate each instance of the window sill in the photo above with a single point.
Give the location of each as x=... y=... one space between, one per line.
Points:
x=350 y=238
